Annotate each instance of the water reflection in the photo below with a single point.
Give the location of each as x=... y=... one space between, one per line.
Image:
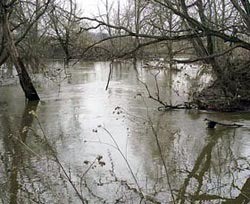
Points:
x=201 y=165
x=17 y=152
x=29 y=174
x=12 y=155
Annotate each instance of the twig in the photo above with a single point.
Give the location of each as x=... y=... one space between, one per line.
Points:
x=165 y=106
x=161 y=153
x=123 y=156
x=162 y=159
x=157 y=99
x=59 y=163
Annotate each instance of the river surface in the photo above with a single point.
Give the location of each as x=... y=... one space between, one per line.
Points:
x=84 y=144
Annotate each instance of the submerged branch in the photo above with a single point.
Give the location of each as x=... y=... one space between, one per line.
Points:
x=164 y=105
x=110 y=75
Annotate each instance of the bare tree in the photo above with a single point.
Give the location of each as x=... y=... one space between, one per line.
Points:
x=9 y=42
x=65 y=26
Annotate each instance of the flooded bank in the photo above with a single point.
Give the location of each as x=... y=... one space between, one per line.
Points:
x=82 y=144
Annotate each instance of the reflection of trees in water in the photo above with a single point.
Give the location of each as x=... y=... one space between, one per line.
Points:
x=27 y=176
x=214 y=175
x=243 y=197
x=13 y=154
x=30 y=173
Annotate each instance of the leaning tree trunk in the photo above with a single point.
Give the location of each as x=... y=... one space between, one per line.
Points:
x=24 y=78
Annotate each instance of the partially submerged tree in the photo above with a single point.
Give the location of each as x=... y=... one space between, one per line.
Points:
x=9 y=44
x=17 y=20
x=216 y=32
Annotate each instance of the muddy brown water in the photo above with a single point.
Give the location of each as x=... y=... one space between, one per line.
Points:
x=114 y=146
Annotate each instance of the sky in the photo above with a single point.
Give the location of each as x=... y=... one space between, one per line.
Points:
x=90 y=7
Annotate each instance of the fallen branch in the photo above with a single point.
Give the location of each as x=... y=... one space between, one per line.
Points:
x=212 y=124
x=170 y=107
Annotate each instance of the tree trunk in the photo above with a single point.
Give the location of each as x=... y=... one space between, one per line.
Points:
x=24 y=78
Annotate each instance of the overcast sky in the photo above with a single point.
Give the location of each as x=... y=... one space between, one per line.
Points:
x=91 y=6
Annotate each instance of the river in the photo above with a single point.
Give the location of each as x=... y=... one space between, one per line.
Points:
x=84 y=144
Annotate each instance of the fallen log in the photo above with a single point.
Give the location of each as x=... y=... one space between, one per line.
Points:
x=186 y=105
x=212 y=124
x=170 y=107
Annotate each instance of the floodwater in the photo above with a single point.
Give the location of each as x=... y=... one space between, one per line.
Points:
x=85 y=144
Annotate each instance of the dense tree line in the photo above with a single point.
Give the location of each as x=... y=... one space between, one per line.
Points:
x=214 y=32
